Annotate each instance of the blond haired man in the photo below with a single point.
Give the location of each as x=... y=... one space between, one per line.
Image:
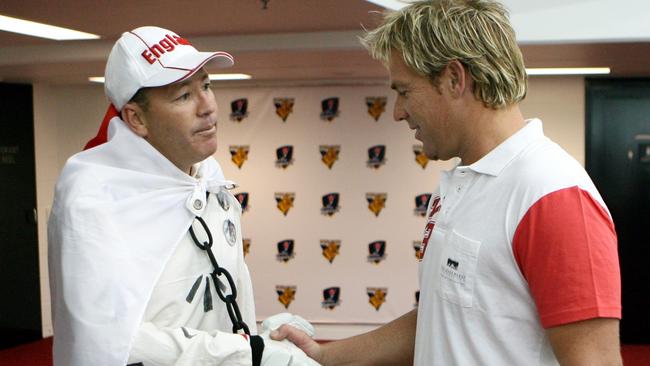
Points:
x=519 y=262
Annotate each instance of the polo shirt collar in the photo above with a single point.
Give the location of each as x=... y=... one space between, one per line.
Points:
x=496 y=160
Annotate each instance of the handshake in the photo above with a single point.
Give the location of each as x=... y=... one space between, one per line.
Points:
x=285 y=353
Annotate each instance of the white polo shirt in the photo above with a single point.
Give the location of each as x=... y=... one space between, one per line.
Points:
x=515 y=243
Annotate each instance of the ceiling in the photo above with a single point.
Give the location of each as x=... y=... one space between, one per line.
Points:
x=307 y=41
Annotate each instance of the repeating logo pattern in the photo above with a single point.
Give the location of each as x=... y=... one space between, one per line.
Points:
x=330 y=249
x=377 y=251
x=376 y=106
x=376 y=202
x=239 y=154
x=284 y=156
x=330 y=109
x=420 y=158
x=331 y=298
x=286 y=295
x=329 y=154
x=285 y=250
x=330 y=204
x=284 y=201
x=376 y=156
x=239 y=109
x=377 y=296
x=283 y=107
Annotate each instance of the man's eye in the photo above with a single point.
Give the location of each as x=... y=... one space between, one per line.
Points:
x=206 y=86
x=183 y=97
x=401 y=93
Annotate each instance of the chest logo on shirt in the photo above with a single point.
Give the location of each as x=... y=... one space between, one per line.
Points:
x=239 y=154
x=377 y=296
x=330 y=203
x=285 y=250
x=239 y=109
x=284 y=201
x=331 y=298
x=421 y=204
x=283 y=107
x=376 y=156
x=330 y=109
x=330 y=249
x=247 y=246
x=377 y=251
x=286 y=295
x=329 y=154
x=450 y=271
x=284 y=156
x=242 y=197
x=376 y=202
x=420 y=158
x=431 y=223
x=376 y=106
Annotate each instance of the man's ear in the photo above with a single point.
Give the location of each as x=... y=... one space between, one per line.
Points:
x=134 y=117
x=457 y=78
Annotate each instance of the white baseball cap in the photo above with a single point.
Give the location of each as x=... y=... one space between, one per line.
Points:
x=150 y=57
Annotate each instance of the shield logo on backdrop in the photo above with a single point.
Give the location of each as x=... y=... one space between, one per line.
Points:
x=239 y=109
x=330 y=204
x=376 y=156
x=329 y=154
x=283 y=107
x=239 y=154
x=247 y=246
x=376 y=106
x=376 y=202
x=420 y=158
x=331 y=297
x=417 y=245
x=330 y=249
x=284 y=201
x=330 y=109
x=284 y=156
x=285 y=250
x=377 y=251
x=421 y=204
x=286 y=295
x=242 y=197
x=377 y=296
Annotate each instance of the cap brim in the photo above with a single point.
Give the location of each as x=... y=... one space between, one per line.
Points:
x=186 y=66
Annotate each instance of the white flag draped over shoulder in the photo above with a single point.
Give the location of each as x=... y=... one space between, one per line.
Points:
x=119 y=210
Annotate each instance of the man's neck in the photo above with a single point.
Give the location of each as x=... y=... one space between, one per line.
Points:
x=487 y=129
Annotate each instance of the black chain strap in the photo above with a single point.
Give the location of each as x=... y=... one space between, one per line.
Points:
x=230 y=299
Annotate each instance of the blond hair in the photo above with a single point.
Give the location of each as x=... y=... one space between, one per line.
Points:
x=477 y=33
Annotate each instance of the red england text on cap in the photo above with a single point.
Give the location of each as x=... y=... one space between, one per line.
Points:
x=167 y=44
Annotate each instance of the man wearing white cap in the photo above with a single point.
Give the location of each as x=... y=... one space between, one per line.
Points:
x=146 y=260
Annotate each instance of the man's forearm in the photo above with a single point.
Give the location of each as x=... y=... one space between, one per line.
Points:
x=391 y=344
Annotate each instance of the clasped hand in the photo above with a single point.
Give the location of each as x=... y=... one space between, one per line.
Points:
x=285 y=353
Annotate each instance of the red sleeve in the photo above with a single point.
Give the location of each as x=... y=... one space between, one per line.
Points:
x=565 y=246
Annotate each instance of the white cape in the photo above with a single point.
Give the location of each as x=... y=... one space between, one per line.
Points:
x=119 y=210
